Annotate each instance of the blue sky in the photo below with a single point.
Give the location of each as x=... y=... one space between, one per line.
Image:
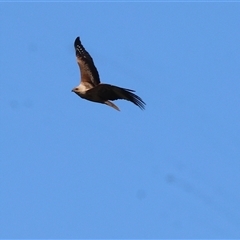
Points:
x=71 y=168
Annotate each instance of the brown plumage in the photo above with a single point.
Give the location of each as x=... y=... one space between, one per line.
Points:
x=92 y=89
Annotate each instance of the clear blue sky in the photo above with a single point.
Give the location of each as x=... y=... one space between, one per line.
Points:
x=70 y=168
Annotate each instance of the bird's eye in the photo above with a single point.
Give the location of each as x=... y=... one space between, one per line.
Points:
x=76 y=89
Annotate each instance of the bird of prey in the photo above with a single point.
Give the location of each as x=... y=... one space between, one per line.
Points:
x=90 y=87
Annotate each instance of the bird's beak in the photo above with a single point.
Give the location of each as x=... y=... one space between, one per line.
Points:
x=73 y=90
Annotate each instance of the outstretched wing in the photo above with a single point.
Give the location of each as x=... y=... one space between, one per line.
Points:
x=110 y=92
x=88 y=70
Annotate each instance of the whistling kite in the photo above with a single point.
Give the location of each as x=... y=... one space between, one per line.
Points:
x=90 y=87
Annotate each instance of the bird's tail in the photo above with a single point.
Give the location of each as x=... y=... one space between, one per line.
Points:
x=112 y=105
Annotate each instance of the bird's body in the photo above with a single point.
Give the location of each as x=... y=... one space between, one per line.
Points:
x=90 y=87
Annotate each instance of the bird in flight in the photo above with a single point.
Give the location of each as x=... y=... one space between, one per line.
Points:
x=90 y=87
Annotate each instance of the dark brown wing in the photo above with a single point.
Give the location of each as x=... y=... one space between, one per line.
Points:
x=88 y=70
x=110 y=92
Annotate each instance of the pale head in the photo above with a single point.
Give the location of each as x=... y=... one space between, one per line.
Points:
x=80 y=89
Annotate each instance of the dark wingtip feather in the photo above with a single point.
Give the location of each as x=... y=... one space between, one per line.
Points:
x=135 y=99
x=77 y=42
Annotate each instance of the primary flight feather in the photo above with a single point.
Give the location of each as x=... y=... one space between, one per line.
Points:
x=90 y=87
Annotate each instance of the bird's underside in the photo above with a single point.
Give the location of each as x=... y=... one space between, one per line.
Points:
x=90 y=87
